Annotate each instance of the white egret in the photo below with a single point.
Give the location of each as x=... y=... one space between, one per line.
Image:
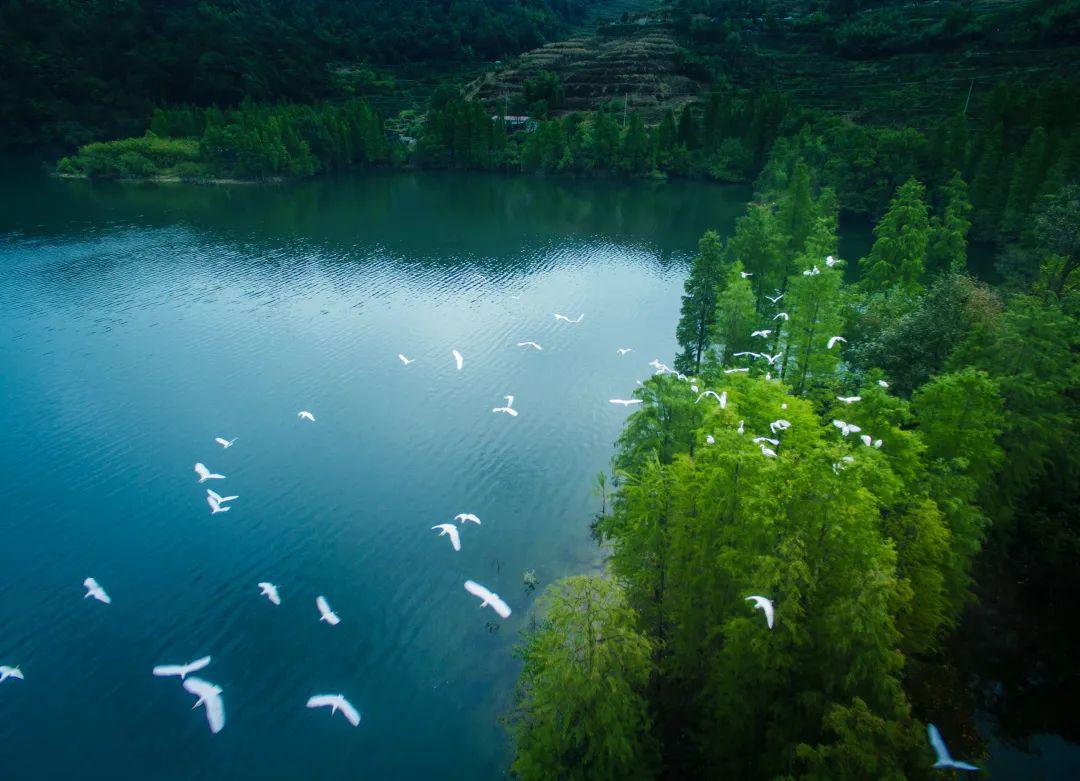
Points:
x=763 y=333
x=846 y=428
x=623 y=350
x=215 y=506
x=734 y=371
x=777 y=298
x=625 y=402
x=767 y=439
x=533 y=345
x=467 y=518
x=165 y=670
x=764 y=605
x=746 y=274
x=451 y=531
x=209 y=697
x=883 y=384
x=695 y=388
x=336 y=702
x=404 y=360
x=833 y=340
x=489 y=598
x=710 y=439
x=305 y=415
x=96 y=591
x=752 y=355
x=780 y=315
x=458 y=359
x=10 y=672
x=714 y=394
x=741 y=427
x=325 y=613
x=765 y=451
x=849 y=399
x=205 y=474
x=870 y=441
x=508 y=409
x=219 y=498
x=771 y=358
x=780 y=425
x=566 y=319
x=269 y=590
x=831 y=261
x=812 y=272
x=225 y=443
x=944 y=758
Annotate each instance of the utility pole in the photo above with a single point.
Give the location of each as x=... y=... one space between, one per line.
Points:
x=625 y=106
x=967 y=102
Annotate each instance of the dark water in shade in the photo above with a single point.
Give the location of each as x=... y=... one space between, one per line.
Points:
x=139 y=322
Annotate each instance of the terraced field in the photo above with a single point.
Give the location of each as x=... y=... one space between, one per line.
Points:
x=638 y=67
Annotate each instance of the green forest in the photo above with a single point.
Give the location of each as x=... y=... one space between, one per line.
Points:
x=878 y=488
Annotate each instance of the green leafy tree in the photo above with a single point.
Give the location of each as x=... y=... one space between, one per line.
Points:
x=736 y=314
x=898 y=255
x=698 y=313
x=581 y=711
x=947 y=247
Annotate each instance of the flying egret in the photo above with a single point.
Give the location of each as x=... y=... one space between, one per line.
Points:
x=96 y=591
x=625 y=402
x=771 y=358
x=714 y=394
x=404 y=360
x=489 y=598
x=508 y=409
x=165 y=670
x=883 y=384
x=451 y=531
x=767 y=439
x=944 y=758
x=567 y=319
x=205 y=474
x=846 y=428
x=215 y=506
x=746 y=274
x=868 y=441
x=325 y=613
x=533 y=345
x=780 y=425
x=783 y=315
x=752 y=355
x=10 y=672
x=734 y=371
x=849 y=399
x=336 y=702
x=831 y=261
x=695 y=388
x=269 y=590
x=710 y=439
x=765 y=451
x=225 y=443
x=774 y=300
x=623 y=350
x=210 y=697
x=305 y=415
x=833 y=340
x=219 y=498
x=765 y=605
x=762 y=333
x=467 y=518
x=458 y=359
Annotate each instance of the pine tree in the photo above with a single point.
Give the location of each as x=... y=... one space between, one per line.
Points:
x=1027 y=177
x=796 y=213
x=636 y=157
x=947 y=246
x=698 y=312
x=898 y=255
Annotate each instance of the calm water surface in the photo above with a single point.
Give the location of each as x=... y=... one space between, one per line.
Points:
x=140 y=322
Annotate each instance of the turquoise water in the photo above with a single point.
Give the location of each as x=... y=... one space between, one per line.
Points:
x=140 y=322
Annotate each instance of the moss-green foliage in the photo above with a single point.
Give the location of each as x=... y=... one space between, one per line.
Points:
x=131 y=158
x=581 y=710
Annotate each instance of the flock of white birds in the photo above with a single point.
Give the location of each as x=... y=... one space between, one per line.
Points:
x=209 y=695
